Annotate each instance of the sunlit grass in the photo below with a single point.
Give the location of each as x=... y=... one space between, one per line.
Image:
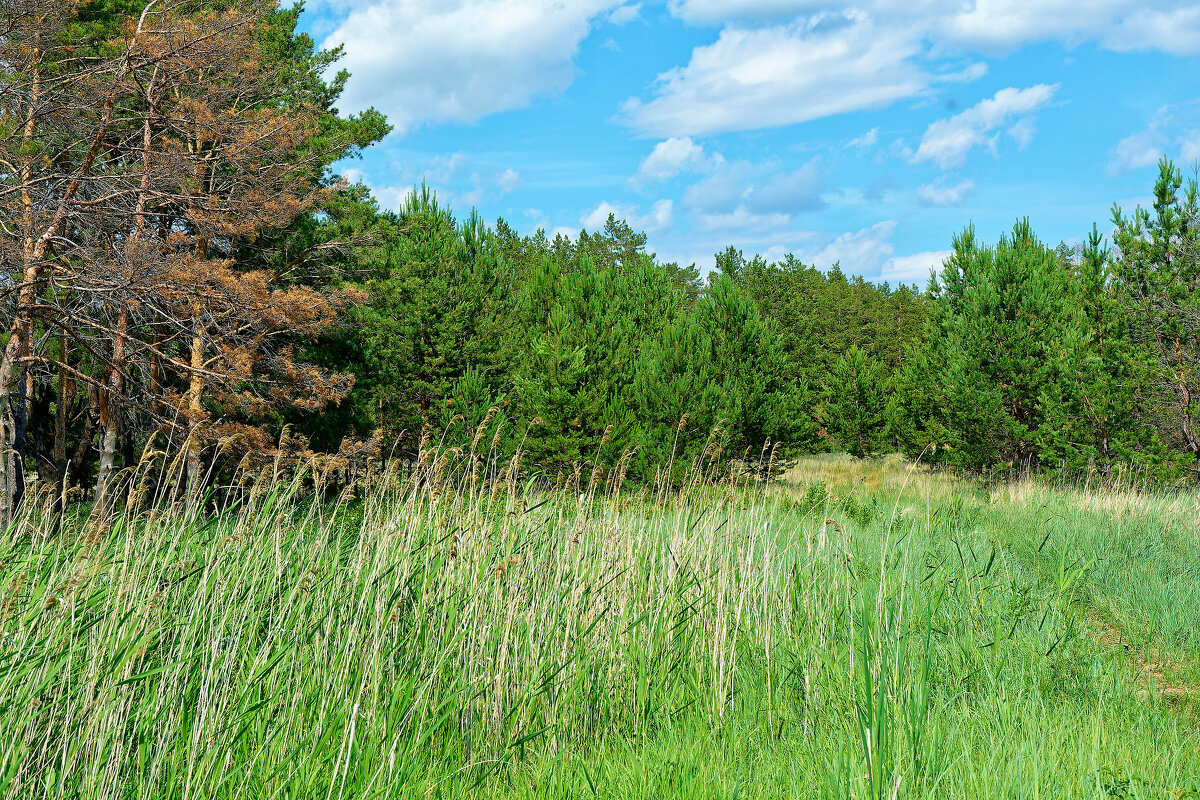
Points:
x=865 y=629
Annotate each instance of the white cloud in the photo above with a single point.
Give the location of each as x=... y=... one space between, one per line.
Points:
x=798 y=190
x=1002 y=25
x=470 y=198
x=1175 y=30
x=1171 y=26
x=388 y=197
x=775 y=62
x=424 y=61
x=865 y=252
x=1172 y=131
x=869 y=252
x=914 y=268
x=939 y=194
x=623 y=15
x=1136 y=151
x=1189 y=152
x=747 y=232
x=968 y=74
x=594 y=220
x=947 y=141
x=780 y=75
x=440 y=170
x=780 y=62
x=1022 y=131
x=865 y=141
x=716 y=11
x=676 y=155
x=660 y=217
x=508 y=180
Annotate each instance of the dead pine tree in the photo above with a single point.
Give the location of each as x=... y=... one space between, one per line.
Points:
x=135 y=178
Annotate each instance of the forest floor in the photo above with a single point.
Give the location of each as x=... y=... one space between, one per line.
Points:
x=860 y=629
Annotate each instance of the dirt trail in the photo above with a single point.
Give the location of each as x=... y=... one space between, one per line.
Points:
x=1154 y=679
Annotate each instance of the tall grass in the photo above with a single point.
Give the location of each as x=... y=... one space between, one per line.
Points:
x=459 y=633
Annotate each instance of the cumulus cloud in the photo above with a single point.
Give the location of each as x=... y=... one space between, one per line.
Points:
x=508 y=180
x=388 y=197
x=1171 y=26
x=864 y=252
x=947 y=141
x=675 y=156
x=1173 y=131
x=914 y=268
x=623 y=15
x=865 y=141
x=439 y=170
x=660 y=217
x=780 y=75
x=428 y=61
x=716 y=11
x=939 y=194
x=1189 y=152
x=1136 y=151
x=797 y=190
x=870 y=252
x=780 y=62
x=775 y=62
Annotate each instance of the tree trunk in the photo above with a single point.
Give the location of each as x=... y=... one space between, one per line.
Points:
x=110 y=411
x=195 y=406
x=20 y=440
x=34 y=250
x=90 y=418
x=13 y=420
x=59 y=453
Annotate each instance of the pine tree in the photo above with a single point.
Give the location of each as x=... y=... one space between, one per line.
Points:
x=589 y=328
x=1095 y=401
x=720 y=368
x=435 y=301
x=1158 y=270
x=996 y=340
x=153 y=146
x=856 y=408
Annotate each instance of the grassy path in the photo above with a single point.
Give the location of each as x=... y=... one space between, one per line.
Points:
x=1132 y=559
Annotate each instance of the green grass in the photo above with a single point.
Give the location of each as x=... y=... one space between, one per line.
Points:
x=864 y=629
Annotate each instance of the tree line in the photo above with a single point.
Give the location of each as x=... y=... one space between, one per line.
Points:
x=188 y=279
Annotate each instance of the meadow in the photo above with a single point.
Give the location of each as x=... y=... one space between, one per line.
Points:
x=854 y=629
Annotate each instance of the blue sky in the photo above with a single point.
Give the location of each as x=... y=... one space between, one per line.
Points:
x=867 y=135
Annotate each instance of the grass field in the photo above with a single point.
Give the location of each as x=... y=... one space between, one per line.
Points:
x=859 y=629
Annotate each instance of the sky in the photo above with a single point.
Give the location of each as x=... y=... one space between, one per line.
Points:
x=864 y=135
